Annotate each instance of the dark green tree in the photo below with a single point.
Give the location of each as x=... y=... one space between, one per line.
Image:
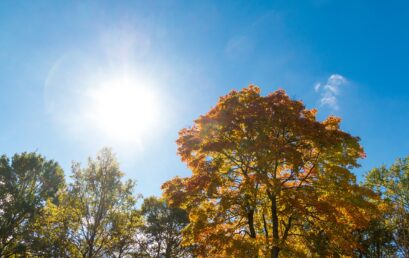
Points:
x=126 y=224
x=162 y=229
x=376 y=240
x=392 y=184
x=27 y=181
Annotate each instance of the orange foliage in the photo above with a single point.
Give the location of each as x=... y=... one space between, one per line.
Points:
x=269 y=178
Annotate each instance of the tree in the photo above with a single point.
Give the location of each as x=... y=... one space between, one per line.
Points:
x=104 y=207
x=393 y=186
x=376 y=240
x=267 y=178
x=53 y=229
x=162 y=229
x=126 y=226
x=27 y=181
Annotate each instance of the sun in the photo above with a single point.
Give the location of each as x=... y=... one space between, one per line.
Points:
x=124 y=109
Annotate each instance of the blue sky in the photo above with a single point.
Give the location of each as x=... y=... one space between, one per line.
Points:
x=347 y=58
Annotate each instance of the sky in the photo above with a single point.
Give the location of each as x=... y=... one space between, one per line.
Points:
x=68 y=69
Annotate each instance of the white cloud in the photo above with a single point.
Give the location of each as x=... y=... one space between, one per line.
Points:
x=330 y=90
x=317 y=87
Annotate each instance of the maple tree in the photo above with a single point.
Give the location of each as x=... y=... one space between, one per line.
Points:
x=268 y=178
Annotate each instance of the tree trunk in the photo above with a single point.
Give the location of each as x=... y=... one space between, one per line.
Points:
x=275 y=251
x=250 y=219
x=91 y=248
x=159 y=247
x=274 y=219
x=168 y=251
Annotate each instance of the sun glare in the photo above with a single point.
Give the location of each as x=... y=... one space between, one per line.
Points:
x=123 y=109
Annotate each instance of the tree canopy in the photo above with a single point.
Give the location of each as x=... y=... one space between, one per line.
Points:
x=162 y=229
x=267 y=177
x=392 y=184
x=268 y=180
x=27 y=181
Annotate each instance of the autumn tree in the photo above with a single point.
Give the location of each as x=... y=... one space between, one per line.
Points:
x=268 y=178
x=393 y=185
x=162 y=229
x=27 y=182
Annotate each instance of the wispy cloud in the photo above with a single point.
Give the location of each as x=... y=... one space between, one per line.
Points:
x=330 y=90
x=239 y=47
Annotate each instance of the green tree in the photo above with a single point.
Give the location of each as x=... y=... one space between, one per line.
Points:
x=126 y=225
x=376 y=240
x=53 y=228
x=104 y=206
x=27 y=182
x=392 y=184
x=162 y=229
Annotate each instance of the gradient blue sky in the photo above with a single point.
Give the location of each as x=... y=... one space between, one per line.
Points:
x=196 y=51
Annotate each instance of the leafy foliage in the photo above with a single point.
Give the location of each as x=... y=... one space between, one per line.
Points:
x=267 y=178
x=104 y=205
x=27 y=181
x=94 y=216
x=376 y=240
x=393 y=186
x=53 y=230
x=162 y=229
